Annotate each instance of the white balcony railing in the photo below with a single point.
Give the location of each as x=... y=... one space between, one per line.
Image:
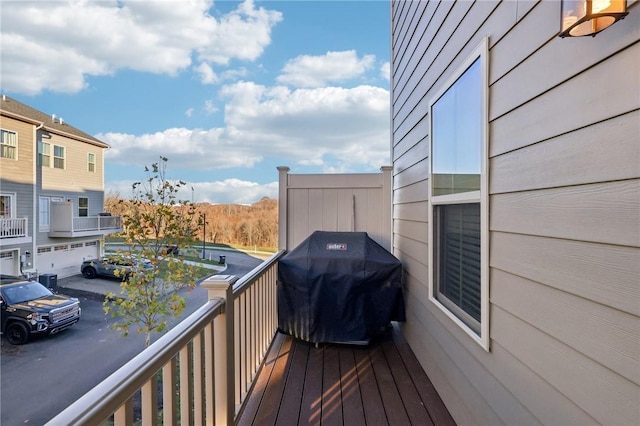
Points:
x=65 y=225
x=211 y=358
x=13 y=227
x=96 y=223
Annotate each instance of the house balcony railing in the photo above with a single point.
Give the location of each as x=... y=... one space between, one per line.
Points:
x=65 y=225
x=14 y=227
x=211 y=358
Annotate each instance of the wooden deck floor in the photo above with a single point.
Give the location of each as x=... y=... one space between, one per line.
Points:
x=378 y=384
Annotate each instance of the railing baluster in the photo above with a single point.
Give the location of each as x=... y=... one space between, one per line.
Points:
x=243 y=344
x=250 y=336
x=198 y=413
x=149 y=402
x=236 y=344
x=124 y=415
x=209 y=373
x=259 y=316
x=169 y=398
x=185 y=386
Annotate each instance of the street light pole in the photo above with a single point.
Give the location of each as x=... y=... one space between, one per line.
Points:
x=204 y=234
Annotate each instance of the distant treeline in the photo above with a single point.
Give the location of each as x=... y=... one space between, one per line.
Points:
x=234 y=224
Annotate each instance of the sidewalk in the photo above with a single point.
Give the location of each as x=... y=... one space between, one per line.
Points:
x=78 y=285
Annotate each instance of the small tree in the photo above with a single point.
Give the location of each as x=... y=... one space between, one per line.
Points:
x=156 y=220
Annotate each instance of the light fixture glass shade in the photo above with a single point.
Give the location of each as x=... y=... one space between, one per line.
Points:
x=589 y=17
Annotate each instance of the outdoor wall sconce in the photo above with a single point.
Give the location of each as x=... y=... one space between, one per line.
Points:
x=589 y=17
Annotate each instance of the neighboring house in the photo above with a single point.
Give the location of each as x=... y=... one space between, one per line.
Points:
x=51 y=193
x=516 y=207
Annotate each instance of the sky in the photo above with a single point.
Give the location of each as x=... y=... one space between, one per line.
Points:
x=226 y=90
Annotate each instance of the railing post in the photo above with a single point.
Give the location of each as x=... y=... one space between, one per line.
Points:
x=221 y=287
x=283 y=191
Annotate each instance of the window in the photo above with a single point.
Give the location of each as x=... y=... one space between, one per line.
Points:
x=44 y=250
x=458 y=215
x=44 y=154
x=44 y=211
x=58 y=157
x=83 y=206
x=7 y=206
x=91 y=162
x=8 y=144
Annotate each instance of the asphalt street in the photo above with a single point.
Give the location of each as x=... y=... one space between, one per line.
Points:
x=41 y=378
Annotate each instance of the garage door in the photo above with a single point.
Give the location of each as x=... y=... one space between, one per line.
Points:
x=64 y=259
x=8 y=263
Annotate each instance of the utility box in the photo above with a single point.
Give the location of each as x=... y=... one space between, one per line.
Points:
x=50 y=281
x=222 y=260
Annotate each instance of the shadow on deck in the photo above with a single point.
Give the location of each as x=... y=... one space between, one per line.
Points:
x=378 y=384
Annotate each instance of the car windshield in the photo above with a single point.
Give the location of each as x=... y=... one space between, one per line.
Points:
x=24 y=292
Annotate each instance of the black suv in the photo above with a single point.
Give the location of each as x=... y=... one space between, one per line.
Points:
x=28 y=307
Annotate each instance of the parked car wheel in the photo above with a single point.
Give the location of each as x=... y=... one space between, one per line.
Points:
x=17 y=333
x=89 y=272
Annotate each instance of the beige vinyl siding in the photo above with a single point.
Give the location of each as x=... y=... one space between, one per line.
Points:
x=564 y=185
x=19 y=170
x=75 y=175
x=17 y=176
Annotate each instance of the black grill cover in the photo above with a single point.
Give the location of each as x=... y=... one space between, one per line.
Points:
x=339 y=287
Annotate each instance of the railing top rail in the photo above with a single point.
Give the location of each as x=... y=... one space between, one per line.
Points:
x=103 y=399
x=245 y=282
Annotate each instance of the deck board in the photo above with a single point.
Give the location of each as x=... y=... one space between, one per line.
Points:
x=289 y=412
x=270 y=405
x=391 y=401
x=352 y=408
x=311 y=410
x=378 y=384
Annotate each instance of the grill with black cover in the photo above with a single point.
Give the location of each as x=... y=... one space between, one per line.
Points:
x=339 y=287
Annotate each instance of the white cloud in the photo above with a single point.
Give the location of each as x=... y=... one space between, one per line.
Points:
x=210 y=107
x=225 y=191
x=385 y=71
x=206 y=73
x=318 y=71
x=59 y=44
x=323 y=126
x=189 y=112
x=233 y=191
x=332 y=128
x=187 y=148
x=242 y=34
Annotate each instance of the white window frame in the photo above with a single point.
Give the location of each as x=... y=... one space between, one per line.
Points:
x=59 y=158
x=91 y=162
x=80 y=208
x=44 y=213
x=9 y=144
x=42 y=226
x=12 y=204
x=42 y=155
x=482 y=53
